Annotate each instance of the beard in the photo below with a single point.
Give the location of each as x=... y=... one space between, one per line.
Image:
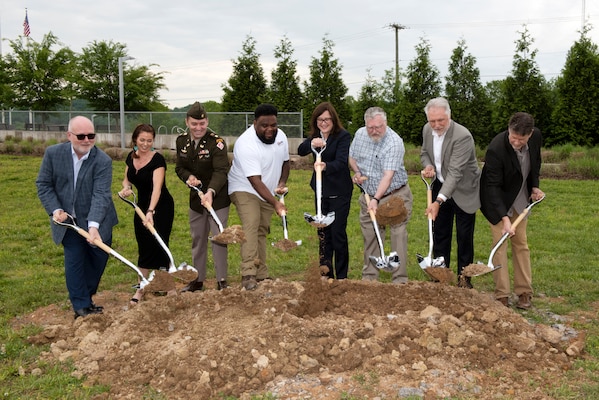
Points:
x=265 y=140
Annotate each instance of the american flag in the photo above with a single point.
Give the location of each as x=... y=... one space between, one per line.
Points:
x=26 y=29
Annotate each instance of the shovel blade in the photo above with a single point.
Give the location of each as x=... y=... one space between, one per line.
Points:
x=389 y=264
x=492 y=268
x=320 y=221
x=423 y=262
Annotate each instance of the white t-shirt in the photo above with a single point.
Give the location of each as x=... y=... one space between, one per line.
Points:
x=252 y=157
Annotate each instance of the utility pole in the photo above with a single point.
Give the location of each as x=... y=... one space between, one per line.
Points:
x=397 y=28
x=583 y=22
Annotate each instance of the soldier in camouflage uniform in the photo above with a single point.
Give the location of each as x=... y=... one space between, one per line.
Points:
x=202 y=160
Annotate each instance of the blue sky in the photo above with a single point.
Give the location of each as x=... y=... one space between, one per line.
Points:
x=194 y=42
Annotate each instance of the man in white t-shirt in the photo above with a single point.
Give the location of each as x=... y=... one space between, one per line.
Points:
x=260 y=169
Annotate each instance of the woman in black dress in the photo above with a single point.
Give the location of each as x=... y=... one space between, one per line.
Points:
x=146 y=170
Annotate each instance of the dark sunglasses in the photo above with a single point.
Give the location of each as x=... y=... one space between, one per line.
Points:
x=81 y=136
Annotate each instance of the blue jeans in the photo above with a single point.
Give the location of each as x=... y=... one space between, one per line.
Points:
x=83 y=268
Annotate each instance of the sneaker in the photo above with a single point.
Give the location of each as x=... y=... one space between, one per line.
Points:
x=249 y=282
x=524 y=301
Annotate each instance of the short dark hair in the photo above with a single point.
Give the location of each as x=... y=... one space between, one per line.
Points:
x=265 y=109
x=521 y=123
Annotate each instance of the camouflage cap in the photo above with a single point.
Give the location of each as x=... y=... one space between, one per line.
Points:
x=196 y=111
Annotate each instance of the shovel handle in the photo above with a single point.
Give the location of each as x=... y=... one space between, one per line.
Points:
x=209 y=208
x=515 y=224
x=107 y=249
x=370 y=212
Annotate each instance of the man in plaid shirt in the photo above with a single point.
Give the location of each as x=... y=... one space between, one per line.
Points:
x=376 y=158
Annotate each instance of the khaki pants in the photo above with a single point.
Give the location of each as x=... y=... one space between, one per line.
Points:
x=255 y=215
x=520 y=260
x=201 y=225
x=399 y=239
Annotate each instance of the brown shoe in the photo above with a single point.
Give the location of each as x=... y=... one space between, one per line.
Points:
x=504 y=301
x=249 y=282
x=524 y=301
x=193 y=286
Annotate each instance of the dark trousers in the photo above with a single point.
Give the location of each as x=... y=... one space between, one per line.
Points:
x=83 y=268
x=443 y=231
x=333 y=244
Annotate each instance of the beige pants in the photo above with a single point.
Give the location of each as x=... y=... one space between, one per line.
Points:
x=255 y=215
x=399 y=239
x=201 y=225
x=520 y=260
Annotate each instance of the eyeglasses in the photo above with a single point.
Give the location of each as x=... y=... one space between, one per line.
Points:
x=321 y=120
x=82 y=136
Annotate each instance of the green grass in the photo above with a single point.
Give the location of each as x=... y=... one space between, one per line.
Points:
x=561 y=235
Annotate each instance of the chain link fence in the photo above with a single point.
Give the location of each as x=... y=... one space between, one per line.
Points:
x=223 y=123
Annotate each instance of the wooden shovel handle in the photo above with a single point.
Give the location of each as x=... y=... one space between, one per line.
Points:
x=371 y=212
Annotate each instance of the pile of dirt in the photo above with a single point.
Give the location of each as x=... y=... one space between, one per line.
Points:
x=312 y=339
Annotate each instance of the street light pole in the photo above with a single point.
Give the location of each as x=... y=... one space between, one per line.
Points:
x=122 y=98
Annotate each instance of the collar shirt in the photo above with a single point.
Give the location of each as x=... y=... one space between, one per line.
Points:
x=521 y=201
x=374 y=158
x=438 y=154
x=77 y=162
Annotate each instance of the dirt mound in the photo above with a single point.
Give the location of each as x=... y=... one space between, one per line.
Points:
x=312 y=339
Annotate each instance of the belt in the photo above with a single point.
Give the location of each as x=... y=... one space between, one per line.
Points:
x=392 y=192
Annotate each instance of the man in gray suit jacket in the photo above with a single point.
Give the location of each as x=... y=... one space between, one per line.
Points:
x=76 y=178
x=448 y=151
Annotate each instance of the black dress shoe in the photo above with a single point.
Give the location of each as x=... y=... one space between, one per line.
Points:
x=222 y=285
x=193 y=286
x=96 y=307
x=84 y=312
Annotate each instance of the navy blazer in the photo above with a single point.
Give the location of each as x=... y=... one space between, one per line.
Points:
x=502 y=177
x=91 y=201
x=336 y=179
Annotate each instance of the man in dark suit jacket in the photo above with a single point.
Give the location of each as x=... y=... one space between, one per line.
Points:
x=448 y=151
x=76 y=178
x=509 y=180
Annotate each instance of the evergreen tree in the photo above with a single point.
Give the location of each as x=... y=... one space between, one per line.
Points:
x=370 y=95
x=326 y=84
x=466 y=95
x=423 y=83
x=285 y=92
x=576 y=115
x=525 y=89
x=246 y=87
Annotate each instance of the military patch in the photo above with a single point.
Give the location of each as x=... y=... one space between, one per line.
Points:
x=220 y=145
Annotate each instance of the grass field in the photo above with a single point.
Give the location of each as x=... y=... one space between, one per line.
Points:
x=562 y=236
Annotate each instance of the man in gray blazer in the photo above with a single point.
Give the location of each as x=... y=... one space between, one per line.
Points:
x=448 y=151
x=76 y=178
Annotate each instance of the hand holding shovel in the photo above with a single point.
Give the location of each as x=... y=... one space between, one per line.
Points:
x=232 y=234
x=389 y=263
x=479 y=268
x=428 y=261
x=285 y=244
x=171 y=268
x=319 y=220
x=143 y=281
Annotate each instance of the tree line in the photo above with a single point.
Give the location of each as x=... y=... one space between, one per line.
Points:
x=38 y=77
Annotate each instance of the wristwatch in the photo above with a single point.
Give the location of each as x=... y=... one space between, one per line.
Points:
x=439 y=201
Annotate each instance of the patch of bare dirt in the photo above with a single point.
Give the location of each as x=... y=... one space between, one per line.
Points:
x=314 y=339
